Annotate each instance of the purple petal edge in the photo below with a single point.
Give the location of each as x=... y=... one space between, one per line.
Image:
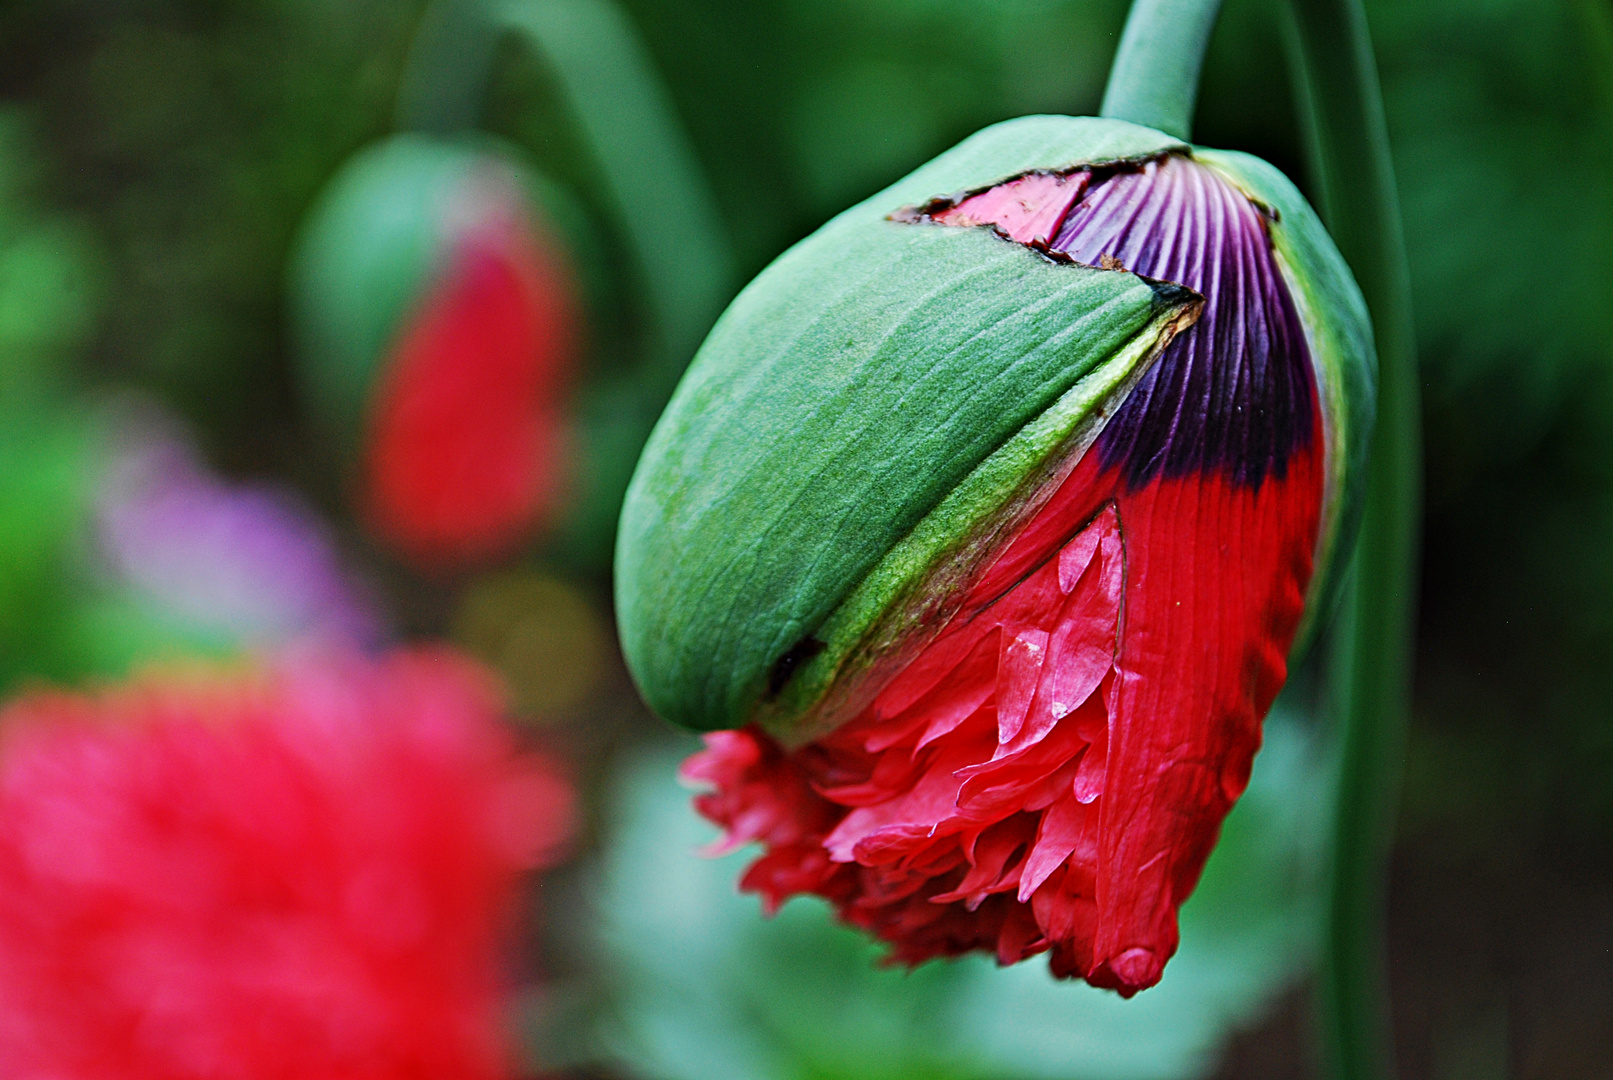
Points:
x=1236 y=390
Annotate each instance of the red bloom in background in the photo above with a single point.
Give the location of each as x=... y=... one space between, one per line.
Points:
x=302 y=872
x=1051 y=771
x=466 y=430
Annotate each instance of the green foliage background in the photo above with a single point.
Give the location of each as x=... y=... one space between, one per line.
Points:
x=187 y=139
x=181 y=141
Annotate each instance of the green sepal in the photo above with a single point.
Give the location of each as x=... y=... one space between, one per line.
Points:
x=873 y=405
x=1339 y=333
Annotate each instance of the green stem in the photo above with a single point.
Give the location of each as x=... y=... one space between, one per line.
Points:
x=445 y=78
x=1349 y=145
x=650 y=174
x=1155 y=77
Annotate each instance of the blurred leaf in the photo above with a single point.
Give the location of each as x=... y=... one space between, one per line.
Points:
x=57 y=621
x=1501 y=115
x=1503 y=140
x=46 y=478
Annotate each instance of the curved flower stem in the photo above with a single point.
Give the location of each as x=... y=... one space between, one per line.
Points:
x=445 y=77
x=652 y=181
x=1155 y=77
x=1339 y=89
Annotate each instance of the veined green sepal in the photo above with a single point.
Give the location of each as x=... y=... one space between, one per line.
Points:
x=889 y=401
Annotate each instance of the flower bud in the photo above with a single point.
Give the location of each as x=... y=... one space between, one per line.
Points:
x=991 y=513
x=438 y=319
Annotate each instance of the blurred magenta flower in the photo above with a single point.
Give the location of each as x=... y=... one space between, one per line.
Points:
x=989 y=518
x=249 y=562
x=440 y=324
x=301 y=869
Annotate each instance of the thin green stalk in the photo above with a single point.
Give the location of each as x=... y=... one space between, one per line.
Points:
x=445 y=79
x=1349 y=144
x=1155 y=77
x=651 y=177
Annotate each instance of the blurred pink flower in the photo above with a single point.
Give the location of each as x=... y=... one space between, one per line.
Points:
x=300 y=870
x=251 y=561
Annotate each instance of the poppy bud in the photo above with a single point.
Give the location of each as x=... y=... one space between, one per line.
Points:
x=990 y=514
x=438 y=320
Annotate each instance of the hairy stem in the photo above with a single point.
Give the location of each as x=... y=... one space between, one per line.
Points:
x=1155 y=77
x=1338 y=87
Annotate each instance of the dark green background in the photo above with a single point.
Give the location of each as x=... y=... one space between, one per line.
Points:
x=180 y=142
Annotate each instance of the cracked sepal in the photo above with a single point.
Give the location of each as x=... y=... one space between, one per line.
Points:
x=861 y=427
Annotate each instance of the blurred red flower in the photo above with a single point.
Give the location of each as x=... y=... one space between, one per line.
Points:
x=297 y=871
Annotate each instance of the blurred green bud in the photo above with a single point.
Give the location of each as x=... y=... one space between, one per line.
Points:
x=381 y=233
x=437 y=317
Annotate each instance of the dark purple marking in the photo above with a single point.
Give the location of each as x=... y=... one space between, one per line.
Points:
x=1236 y=389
